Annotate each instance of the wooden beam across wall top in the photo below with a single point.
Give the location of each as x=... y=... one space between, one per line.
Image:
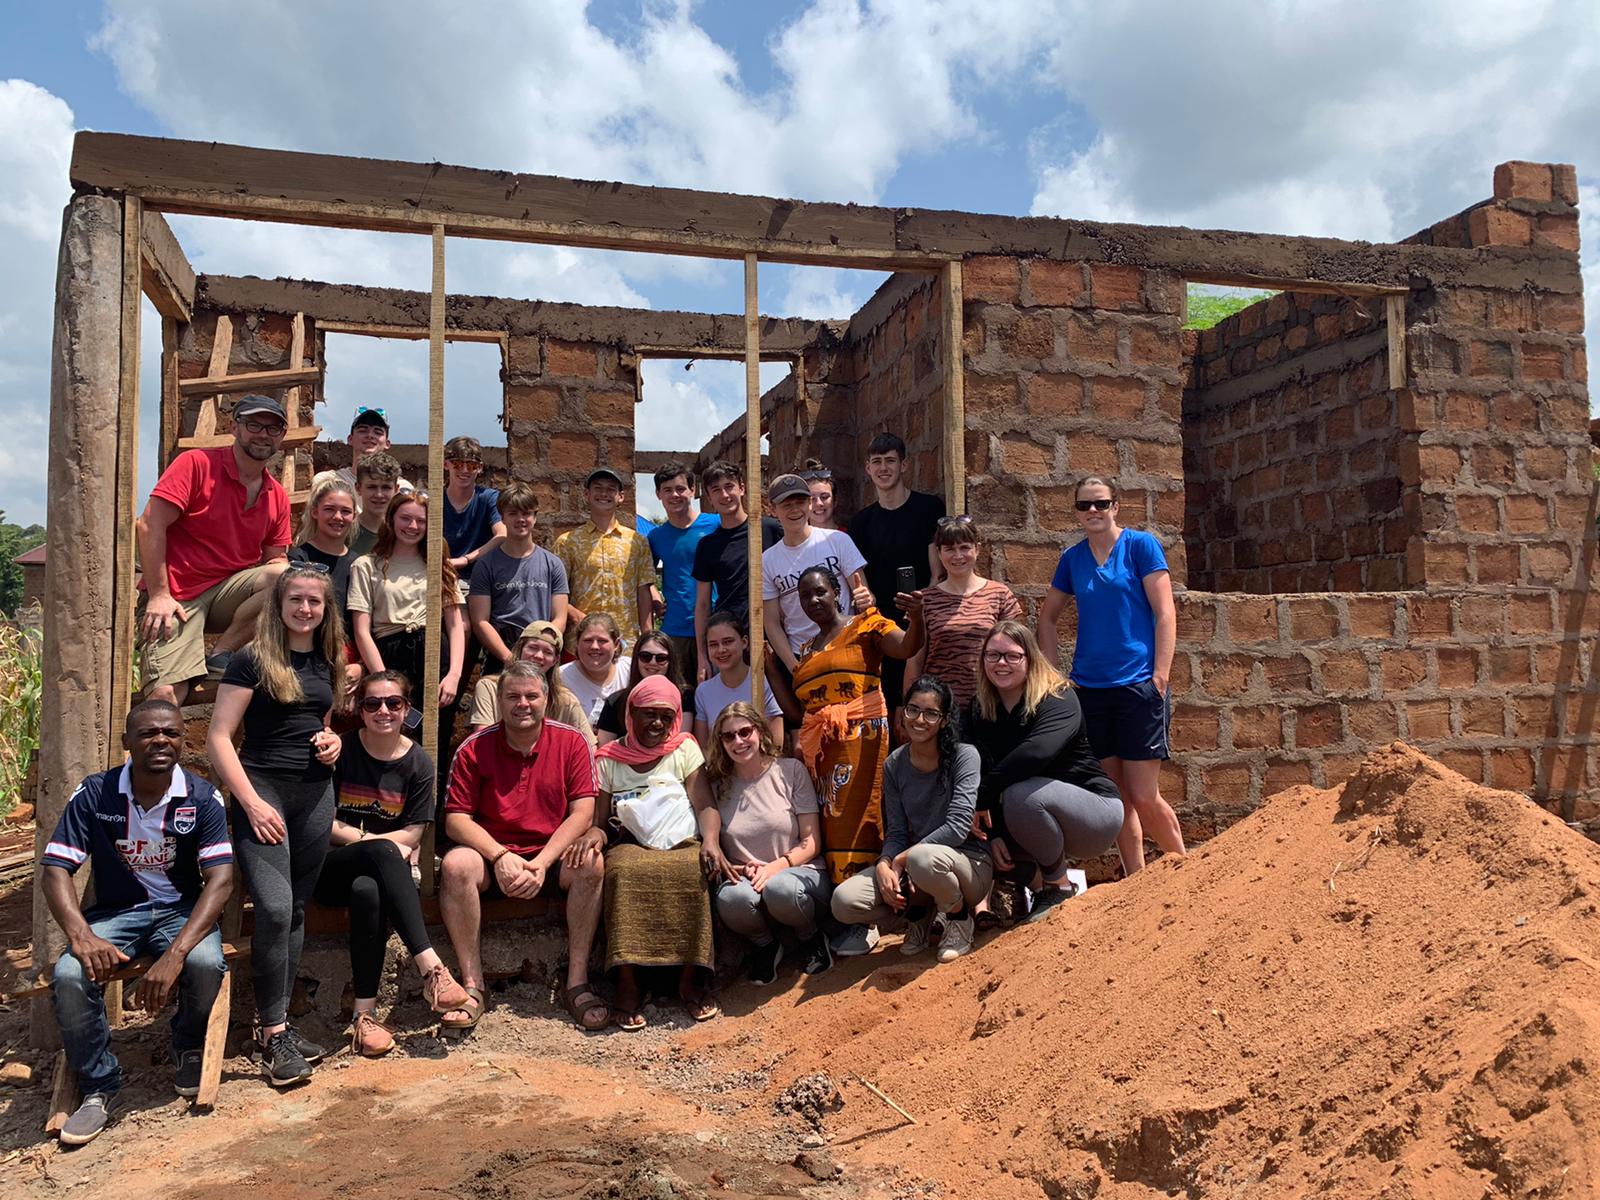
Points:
x=168 y=279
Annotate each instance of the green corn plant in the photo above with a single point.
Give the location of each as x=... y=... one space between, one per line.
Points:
x=21 y=683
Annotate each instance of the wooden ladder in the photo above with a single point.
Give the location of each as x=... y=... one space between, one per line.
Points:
x=217 y=383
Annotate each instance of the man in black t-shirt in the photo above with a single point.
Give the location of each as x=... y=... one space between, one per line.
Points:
x=722 y=559
x=897 y=531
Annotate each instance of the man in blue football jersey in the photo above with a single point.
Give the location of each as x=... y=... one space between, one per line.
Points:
x=157 y=838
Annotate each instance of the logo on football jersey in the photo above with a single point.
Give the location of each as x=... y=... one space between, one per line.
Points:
x=183 y=819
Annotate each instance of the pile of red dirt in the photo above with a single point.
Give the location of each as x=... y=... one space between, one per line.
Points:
x=1388 y=989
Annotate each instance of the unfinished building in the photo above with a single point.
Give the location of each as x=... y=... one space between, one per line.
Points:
x=1375 y=487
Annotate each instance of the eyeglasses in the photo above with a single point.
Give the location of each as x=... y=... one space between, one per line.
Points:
x=271 y=428
x=654 y=657
x=922 y=716
x=373 y=703
x=738 y=735
x=1011 y=658
x=1103 y=505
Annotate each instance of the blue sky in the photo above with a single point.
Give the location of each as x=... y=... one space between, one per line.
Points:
x=1364 y=120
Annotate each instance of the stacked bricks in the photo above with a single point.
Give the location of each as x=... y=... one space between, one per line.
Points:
x=568 y=409
x=1498 y=472
x=1290 y=448
x=1071 y=369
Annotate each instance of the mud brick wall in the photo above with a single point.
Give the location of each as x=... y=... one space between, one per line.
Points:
x=568 y=409
x=1291 y=448
x=1071 y=369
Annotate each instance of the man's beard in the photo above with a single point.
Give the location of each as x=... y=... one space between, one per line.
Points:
x=258 y=452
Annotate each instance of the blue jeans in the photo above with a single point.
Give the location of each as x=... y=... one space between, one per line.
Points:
x=80 y=1002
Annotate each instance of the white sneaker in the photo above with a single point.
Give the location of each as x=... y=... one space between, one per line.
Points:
x=917 y=935
x=856 y=941
x=957 y=939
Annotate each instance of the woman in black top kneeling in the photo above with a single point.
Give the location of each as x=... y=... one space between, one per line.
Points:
x=1042 y=795
x=384 y=796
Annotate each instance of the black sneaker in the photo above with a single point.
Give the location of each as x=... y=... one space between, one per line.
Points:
x=281 y=1060
x=217 y=664
x=1049 y=898
x=764 y=962
x=819 y=955
x=186 y=1080
x=309 y=1050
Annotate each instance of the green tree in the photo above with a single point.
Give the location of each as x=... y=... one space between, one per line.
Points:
x=14 y=540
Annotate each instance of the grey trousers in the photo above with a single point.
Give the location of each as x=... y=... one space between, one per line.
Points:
x=950 y=877
x=790 y=898
x=1049 y=822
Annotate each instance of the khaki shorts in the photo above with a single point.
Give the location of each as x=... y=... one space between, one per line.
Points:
x=182 y=656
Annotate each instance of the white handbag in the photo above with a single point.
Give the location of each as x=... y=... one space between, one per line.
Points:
x=659 y=815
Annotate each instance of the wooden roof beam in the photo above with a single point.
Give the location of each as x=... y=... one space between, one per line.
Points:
x=166 y=276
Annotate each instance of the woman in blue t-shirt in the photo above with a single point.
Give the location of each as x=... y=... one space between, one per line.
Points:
x=1121 y=664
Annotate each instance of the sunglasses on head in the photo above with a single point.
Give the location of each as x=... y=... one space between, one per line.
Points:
x=1098 y=505
x=822 y=476
x=377 y=412
x=958 y=519
x=372 y=704
x=318 y=567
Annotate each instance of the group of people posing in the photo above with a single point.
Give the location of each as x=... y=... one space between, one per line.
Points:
x=613 y=763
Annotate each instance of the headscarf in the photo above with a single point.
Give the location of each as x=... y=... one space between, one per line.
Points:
x=654 y=691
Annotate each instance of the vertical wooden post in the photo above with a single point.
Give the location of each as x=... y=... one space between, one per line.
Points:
x=754 y=488
x=1395 y=314
x=171 y=402
x=955 y=409
x=122 y=571
x=435 y=568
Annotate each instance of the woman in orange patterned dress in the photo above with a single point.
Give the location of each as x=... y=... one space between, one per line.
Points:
x=844 y=737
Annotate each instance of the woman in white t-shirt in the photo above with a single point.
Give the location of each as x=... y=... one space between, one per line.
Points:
x=763 y=843
x=729 y=651
x=595 y=674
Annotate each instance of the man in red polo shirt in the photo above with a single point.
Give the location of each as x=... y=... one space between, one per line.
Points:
x=212 y=537
x=521 y=792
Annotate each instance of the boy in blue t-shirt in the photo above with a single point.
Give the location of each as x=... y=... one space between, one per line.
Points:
x=157 y=837
x=672 y=545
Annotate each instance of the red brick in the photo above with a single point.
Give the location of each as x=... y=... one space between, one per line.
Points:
x=1052 y=510
x=1564 y=182
x=1372 y=721
x=1030 y=566
x=1443 y=562
x=1194 y=727
x=1286 y=674
x=576 y=452
x=1466 y=411
x=1489 y=359
x=1054 y=395
x=1116 y=287
x=1151 y=345
x=1117 y=398
x=989 y=394
x=1481 y=616
x=1031 y=335
x=611 y=407
x=1523 y=180
x=540 y=404
x=994 y=278
x=1556 y=231
x=1530 y=613
x=1346 y=671
x=1559 y=313
x=1092 y=339
x=1542 y=362
x=1313 y=620
x=1158 y=458
x=977 y=452
x=1464 y=762
x=1284 y=773
x=1089 y=453
x=1255 y=728
x=1023 y=456
x=1056 y=284
x=1491 y=225
x=1477 y=513
x=1550 y=563
x=1336 y=768
x=1483 y=716
x=1402 y=670
x=1197 y=619
x=1428 y=720
x=1428 y=618
x=1458 y=668
x=1225 y=781
x=1318 y=726
x=1182 y=678
x=578 y=359
x=1225 y=675
x=1497 y=563
x=1511 y=769
x=1371 y=617
x=1252 y=620
x=1545 y=462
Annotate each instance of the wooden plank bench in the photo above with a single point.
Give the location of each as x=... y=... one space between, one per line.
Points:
x=64 y=1095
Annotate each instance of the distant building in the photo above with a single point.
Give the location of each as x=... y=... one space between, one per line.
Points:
x=32 y=564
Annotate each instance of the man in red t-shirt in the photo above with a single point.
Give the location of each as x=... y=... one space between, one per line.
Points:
x=520 y=793
x=211 y=539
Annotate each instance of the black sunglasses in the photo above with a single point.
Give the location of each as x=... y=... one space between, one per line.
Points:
x=822 y=476
x=958 y=519
x=373 y=703
x=1097 y=505
x=653 y=656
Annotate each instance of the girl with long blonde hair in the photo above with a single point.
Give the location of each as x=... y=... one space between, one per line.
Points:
x=281 y=691
x=1043 y=800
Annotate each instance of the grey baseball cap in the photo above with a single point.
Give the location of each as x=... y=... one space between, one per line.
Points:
x=785 y=486
x=249 y=405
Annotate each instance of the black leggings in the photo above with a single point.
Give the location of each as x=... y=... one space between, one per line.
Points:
x=373 y=880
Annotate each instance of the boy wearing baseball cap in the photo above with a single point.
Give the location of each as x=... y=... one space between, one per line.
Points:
x=803 y=547
x=609 y=568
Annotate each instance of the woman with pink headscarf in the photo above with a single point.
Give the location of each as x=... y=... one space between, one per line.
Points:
x=648 y=823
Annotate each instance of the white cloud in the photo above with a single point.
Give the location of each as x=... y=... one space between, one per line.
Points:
x=35 y=141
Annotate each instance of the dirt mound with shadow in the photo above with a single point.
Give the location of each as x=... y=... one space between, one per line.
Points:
x=1389 y=989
